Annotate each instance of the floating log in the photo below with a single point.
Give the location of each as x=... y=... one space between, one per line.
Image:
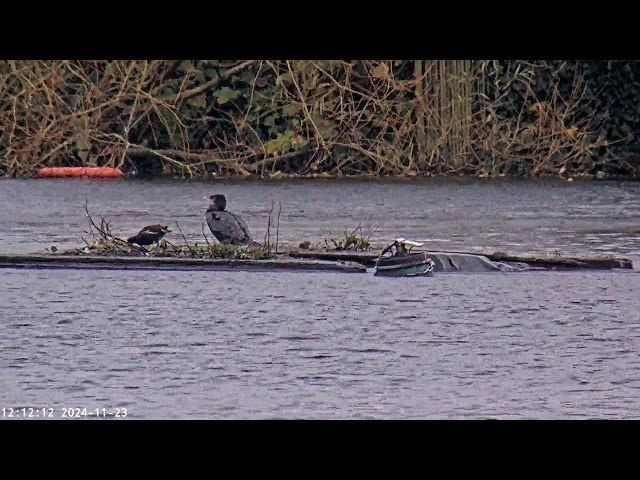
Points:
x=564 y=263
x=540 y=262
x=367 y=259
x=349 y=262
x=107 y=262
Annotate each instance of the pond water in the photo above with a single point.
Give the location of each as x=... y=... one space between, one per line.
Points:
x=316 y=345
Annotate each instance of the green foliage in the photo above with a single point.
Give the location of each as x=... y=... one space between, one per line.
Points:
x=226 y=94
x=285 y=142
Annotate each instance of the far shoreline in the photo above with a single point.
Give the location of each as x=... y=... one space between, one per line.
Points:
x=359 y=178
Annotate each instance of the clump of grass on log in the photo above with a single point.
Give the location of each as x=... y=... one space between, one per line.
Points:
x=359 y=239
x=356 y=240
x=216 y=250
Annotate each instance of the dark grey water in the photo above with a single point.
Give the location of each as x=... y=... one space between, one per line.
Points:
x=325 y=345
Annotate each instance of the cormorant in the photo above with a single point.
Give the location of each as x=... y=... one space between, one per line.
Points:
x=227 y=227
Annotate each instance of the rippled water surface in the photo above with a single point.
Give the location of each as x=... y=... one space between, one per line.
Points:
x=166 y=344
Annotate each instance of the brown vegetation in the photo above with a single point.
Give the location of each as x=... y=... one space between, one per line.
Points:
x=274 y=118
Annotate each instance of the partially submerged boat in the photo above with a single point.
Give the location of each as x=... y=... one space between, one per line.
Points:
x=397 y=260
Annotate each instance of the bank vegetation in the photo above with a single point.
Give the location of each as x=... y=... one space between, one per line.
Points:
x=278 y=118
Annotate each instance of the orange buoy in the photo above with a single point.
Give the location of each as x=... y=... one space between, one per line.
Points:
x=90 y=172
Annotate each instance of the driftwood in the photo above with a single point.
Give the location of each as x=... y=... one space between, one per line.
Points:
x=121 y=262
x=550 y=263
x=568 y=263
x=367 y=259
x=351 y=262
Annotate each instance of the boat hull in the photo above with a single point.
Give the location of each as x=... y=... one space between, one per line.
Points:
x=412 y=265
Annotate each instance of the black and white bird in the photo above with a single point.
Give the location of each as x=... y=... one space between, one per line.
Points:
x=226 y=226
x=149 y=235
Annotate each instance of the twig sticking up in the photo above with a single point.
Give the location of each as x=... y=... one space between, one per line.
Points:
x=105 y=231
x=278 y=225
x=267 y=238
x=206 y=239
x=185 y=239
